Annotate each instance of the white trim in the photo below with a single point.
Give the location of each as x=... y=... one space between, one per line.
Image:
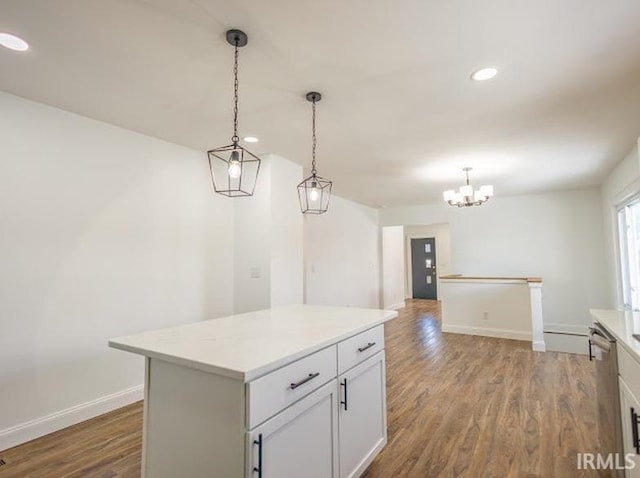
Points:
x=30 y=430
x=487 y=332
x=538 y=346
x=397 y=306
x=630 y=192
x=537 y=320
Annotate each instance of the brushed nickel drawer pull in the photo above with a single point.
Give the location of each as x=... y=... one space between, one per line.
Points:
x=304 y=380
x=368 y=346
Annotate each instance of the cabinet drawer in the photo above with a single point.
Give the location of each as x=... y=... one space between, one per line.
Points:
x=267 y=395
x=629 y=370
x=360 y=347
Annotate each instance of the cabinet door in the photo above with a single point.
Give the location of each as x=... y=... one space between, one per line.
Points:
x=630 y=411
x=299 y=441
x=362 y=420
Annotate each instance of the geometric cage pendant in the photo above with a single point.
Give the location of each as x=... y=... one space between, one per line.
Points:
x=314 y=192
x=234 y=170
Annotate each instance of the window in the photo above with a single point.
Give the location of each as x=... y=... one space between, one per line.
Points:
x=629 y=236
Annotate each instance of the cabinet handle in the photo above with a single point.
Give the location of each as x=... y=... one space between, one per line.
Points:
x=344 y=384
x=368 y=346
x=304 y=380
x=634 y=430
x=258 y=469
x=590 y=354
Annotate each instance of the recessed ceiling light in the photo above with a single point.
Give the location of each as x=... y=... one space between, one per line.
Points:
x=13 y=42
x=250 y=139
x=484 y=74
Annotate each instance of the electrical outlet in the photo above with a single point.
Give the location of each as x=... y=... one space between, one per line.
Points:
x=485 y=315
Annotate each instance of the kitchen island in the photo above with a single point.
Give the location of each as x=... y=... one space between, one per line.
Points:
x=284 y=392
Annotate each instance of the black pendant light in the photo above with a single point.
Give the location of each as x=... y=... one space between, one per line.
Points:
x=234 y=170
x=314 y=192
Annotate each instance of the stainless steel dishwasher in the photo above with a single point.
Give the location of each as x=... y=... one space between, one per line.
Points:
x=602 y=351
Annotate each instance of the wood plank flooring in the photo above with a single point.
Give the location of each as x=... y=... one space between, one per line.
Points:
x=458 y=406
x=468 y=406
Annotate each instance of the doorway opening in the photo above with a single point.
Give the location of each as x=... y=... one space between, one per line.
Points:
x=434 y=243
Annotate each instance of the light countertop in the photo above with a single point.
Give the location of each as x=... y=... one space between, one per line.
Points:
x=247 y=346
x=621 y=324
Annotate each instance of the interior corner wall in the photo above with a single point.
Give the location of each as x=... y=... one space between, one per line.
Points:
x=268 y=238
x=105 y=233
x=622 y=183
x=287 y=253
x=557 y=236
x=342 y=256
x=393 y=267
x=252 y=236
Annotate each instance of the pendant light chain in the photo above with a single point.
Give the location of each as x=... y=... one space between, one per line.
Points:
x=235 y=137
x=314 y=141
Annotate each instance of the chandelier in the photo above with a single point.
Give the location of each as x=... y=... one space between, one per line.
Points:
x=466 y=196
x=314 y=192
x=234 y=169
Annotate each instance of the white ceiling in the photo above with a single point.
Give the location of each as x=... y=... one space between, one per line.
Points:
x=399 y=117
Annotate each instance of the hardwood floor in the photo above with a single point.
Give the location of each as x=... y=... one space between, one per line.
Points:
x=461 y=405
x=458 y=406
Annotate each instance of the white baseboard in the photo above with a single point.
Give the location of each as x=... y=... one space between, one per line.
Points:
x=487 y=332
x=30 y=430
x=566 y=329
x=399 y=305
x=573 y=344
x=567 y=338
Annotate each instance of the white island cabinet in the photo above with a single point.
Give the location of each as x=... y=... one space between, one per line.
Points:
x=286 y=392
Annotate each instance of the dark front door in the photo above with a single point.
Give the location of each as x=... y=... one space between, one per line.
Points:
x=423 y=268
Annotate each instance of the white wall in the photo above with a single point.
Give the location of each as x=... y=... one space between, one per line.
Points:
x=442 y=234
x=268 y=236
x=393 y=267
x=252 y=246
x=104 y=233
x=287 y=255
x=491 y=308
x=622 y=182
x=557 y=236
x=342 y=256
